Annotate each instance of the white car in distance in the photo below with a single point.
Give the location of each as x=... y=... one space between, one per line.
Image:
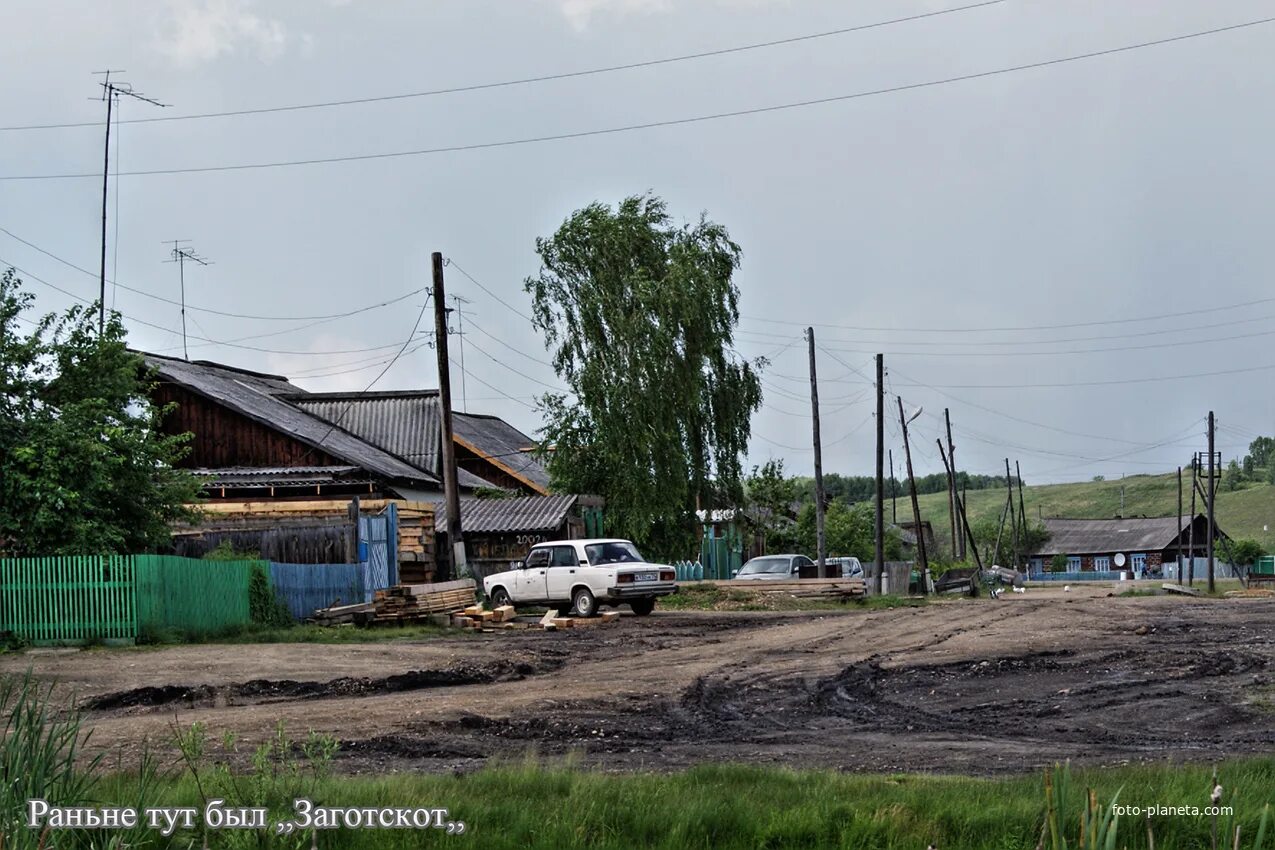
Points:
x=582 y=574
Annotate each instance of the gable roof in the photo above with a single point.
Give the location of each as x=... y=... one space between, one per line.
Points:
x=1121 y=534
x=264 y=399
x=407 y=423
x=507 y=516
x=502 y=445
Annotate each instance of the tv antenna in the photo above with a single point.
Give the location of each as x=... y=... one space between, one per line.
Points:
x=180 y=254
x=111 y=92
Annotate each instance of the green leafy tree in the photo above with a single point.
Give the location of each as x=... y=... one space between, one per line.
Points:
x=640 y=316
x=86 y=468
x=1262 y=450
x=1246 y=552
x=850 y=532
x=770 y=495
x=1232 y=477
x=1029 y=541
x=1248 y=467
x=1059 y=564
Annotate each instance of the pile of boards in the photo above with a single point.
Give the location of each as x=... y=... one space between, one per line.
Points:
x=404 y=604
x=806 y=588
x=504 y=618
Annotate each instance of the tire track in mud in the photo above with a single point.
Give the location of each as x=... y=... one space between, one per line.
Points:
x=256 y=691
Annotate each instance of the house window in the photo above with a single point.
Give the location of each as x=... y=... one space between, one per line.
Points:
x=1102 y=564
x=1073 y=565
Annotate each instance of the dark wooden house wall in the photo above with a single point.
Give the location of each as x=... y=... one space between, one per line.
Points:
x=222 y=437
x=488 y=471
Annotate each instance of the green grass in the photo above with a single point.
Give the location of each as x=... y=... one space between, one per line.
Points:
x=1242 y=514
x=722 y=806
x=297 y=634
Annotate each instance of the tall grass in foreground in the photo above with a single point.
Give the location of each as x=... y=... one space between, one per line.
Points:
x=537 y=804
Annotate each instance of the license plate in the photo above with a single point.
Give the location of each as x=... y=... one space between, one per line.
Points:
x=646 y=577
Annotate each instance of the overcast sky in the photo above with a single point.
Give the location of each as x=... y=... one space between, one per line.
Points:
x=919 y=223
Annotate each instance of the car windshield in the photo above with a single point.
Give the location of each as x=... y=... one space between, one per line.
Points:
x=766 y=565
x=612 y=553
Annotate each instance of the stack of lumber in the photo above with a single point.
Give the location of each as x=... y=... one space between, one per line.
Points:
x=476 y=617
x=552 y=622
x=404 y=603
x=411 y=603
x=805 y=588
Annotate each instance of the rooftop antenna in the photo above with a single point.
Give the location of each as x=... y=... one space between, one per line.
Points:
x=180 y=254
x=460 y=332
x=111 y=91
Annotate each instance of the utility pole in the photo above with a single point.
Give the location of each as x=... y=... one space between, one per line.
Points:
x=1179 y=525
x=1190 y=537
x=459 y=566
x=1022 y=510
x=820 y=538
x=958 y=548
x=1009 y=485
x=1212 y=498
x=111 y=92
x=960 y=511
x=879 y=510
x=894 y=493
x=916 y=507
x=460 y=332
x=179 y=255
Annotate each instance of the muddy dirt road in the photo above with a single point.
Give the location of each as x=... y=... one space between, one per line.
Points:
x=972 y=686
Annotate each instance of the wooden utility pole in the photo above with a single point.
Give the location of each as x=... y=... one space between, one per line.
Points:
x=1190 y=536
x=1212 y=496
x=879 y=509
x=894 y=493
x=821 y=539
x=108 y=94
x=960 y=511
x=1022 y=510
x=958 y=549
x=921 y=561
x=1009 y=485
x=1179 y=525
x=459 y=565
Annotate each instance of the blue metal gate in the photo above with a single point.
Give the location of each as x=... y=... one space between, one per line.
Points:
x=378 y=551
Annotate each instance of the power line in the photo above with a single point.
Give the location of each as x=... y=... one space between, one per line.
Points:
x=209 y=310
x=696 y=119
x=452 y=262
x=521 y=81
x=494 y=389
x=1016 y=342
x=1084 y=324
x=1114 y=382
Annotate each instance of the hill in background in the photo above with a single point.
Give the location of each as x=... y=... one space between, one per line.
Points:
x=1245 y=513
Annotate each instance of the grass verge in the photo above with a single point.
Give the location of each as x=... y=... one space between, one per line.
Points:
x=711 y=597
x=532 y=805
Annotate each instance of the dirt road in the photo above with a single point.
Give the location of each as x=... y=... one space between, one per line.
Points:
x=971 y=686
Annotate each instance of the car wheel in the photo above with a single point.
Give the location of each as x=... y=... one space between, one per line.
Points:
x=500 y=597
x=584 y=603
x=642 y=607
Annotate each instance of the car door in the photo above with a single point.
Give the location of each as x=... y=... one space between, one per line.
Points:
x=563 y=564
x=532 y=579
x=799 y=562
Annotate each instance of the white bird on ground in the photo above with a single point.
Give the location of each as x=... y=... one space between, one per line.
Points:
x=1020 y=590
x=1217 y=794
x=1066 y=588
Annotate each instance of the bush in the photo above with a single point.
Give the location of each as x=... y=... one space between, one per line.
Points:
x=1058 y=564
x=264 y=607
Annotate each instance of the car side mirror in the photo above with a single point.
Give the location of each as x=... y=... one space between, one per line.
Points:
x=517 y=565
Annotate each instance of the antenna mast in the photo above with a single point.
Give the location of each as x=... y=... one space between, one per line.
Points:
x=180 y=254
x=111 y=91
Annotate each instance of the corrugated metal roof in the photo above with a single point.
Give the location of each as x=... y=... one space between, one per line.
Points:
x=263 y=398
x=407 y=424
x=1100 y=536
x=505 y=516
x=253 y=476
x=503 y=444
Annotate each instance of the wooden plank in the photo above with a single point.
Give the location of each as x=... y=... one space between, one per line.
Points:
x=562 y=622
x=1180 y=588
x=546 y=622
x=610 y=616
x=505 y=613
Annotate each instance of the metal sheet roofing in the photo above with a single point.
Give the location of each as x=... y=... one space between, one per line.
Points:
x=503 y=444
x=506 y=516
x=290 y=476
x=1100 y=536
x=263 y=398
x=407 y=424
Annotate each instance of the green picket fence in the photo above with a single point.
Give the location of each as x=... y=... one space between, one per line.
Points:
x=192 y=596
x=76 y=600
x=68 y=600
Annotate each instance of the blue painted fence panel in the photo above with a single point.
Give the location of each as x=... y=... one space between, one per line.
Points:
x=1091 y=575
x=305 y=588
